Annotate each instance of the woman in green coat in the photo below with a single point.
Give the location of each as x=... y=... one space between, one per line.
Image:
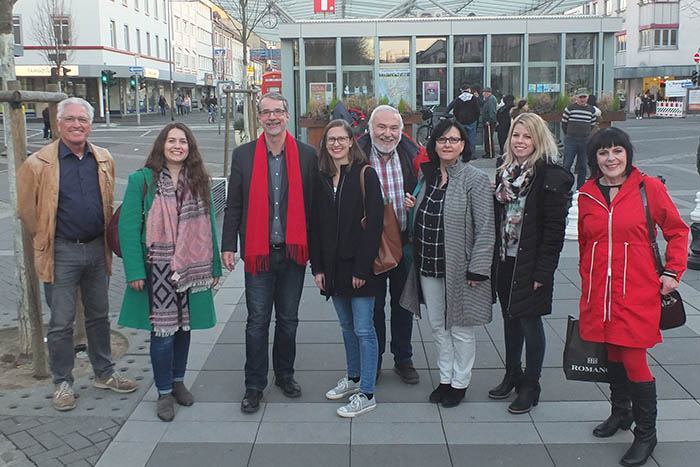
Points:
x=171 y=260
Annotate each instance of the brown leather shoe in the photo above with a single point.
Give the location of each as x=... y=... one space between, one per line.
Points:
x=63 y=397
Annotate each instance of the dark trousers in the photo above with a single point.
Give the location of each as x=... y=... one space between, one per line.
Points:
x=575 y=149
x=78 y=266
x=47 y=130
x=502 y=137
x=281 y=286
x=518 y=330
x=401 y=319
x=169 y=359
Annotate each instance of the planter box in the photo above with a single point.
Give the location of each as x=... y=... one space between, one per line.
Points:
x=315 y=128
x=409 y=120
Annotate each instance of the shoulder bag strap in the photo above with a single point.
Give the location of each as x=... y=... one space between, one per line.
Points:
x=650 y=230
x=362 y=188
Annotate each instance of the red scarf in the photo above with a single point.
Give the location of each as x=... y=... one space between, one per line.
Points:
x=257 y=235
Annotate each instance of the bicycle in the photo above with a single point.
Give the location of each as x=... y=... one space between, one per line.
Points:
x=425 y=130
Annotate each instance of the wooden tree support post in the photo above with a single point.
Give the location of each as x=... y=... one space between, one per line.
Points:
x=29 y=306
x=227 y=135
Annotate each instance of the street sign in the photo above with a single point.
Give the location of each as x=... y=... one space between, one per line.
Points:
x=219 y=51
x=696 y=57
x=135 y=69
x=251 y=71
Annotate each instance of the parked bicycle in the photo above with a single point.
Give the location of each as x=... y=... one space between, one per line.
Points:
x=425 y=130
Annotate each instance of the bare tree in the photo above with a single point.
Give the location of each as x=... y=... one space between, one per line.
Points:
x=7 y=43
x=248 y=15
x=53 y=28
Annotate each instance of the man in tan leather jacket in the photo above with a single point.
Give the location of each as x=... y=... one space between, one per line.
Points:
x=65 y=200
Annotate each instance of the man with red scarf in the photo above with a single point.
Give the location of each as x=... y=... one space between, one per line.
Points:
x=268 y=207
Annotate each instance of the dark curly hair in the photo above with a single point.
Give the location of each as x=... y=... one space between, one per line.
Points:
x=440 y=129
x=197 y=173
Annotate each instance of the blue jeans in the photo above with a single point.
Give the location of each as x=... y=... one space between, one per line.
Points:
x=281 y=286
x=401 y=319
x=78 y=266
x=471 y=132
x=169 y=359
x=575 y=148
x=355 y=316
x=518 y=330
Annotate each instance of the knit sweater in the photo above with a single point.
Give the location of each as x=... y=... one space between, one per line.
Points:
x=578 y=120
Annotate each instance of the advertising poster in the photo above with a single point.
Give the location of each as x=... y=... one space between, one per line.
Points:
x=321 y=92
x=394 y=84
x=431 y=93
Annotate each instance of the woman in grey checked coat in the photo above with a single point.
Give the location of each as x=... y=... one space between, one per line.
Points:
x=453 y=241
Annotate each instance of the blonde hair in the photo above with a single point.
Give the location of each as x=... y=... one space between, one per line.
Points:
x=542 y=139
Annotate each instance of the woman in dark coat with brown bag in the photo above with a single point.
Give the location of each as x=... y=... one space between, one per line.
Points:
x=342 y=252
x=532 y=198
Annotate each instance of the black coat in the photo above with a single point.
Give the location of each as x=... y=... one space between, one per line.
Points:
x=541 y=241
x=235 y=219
x=340 y=247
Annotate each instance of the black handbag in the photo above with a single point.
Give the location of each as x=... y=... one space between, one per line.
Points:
x=672 y=310
x=584 y=360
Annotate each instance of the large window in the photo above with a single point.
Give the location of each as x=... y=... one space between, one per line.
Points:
x=357 y=66
x=394 y=50
x=320 y=52
x=468 y=61
x=112 y=34
x=357 y=50
x=580 y=60
x=544 y=52
x=505 y=64
x=61 y=27
x=431 y=71
x=659 y=38
x=17 y=29
x=621 y=43
x=320 y=70
x=394 y=73
x=126 y=38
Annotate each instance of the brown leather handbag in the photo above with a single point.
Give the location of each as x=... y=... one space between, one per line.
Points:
x=390 y=247
x=113 y=226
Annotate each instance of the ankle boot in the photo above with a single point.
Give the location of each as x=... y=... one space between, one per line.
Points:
x=511 y=381
x=528 y=396
x=181 y=394
x=439 y=393
x=621 y=413
x=644 y=411
x=453 y=397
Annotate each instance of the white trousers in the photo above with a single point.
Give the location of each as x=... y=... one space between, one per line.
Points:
x=456 y=346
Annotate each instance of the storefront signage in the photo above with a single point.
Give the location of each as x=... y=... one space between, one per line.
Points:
x=543 y=87
x=151 y=73
x=321 y=92
x=42 y=70
x=694 y=99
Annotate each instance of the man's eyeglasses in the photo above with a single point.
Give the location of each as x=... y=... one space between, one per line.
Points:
x=443 y=140
x=331 y=140
x=276 y=112
x=71 y=119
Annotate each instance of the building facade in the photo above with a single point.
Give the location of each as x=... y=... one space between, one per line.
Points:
x=424 y=60
x=655 y=43
x=111 y=35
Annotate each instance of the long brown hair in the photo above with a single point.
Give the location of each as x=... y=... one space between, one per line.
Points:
x=197 y=173
x=355 y=154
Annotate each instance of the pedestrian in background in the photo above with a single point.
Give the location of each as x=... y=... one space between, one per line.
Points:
x=65 y=199
x=577 y=122
x=532 y=199
x=453 y=238
x=638 y=107
x=503 y=121
x=178 y=103
x=168 y=208
x=466 y=110
x=519 y=108
x=162 y=103
x=392 y=154
x=342 y=254
x=187 y=104
x=47 y=122
x=488 y=117
x=268 y=207
x=622 y=289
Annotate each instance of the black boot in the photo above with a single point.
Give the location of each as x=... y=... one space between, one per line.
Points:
x=528 y=396
x=453 y=397
x=621 y=414
x=510 y=381
x=644 y=411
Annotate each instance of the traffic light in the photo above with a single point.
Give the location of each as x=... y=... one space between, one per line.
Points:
x=694 y=78
x=108 y=78
x=105 y=77
x=142 y=83
x=132 y=82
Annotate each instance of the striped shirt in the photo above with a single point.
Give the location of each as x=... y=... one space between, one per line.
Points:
x=391 y=180
x=430 y=231
x=578 y=120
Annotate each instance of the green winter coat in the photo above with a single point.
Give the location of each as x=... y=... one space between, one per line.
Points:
x=132 y=238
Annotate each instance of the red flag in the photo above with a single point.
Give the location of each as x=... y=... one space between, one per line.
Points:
x=324 y=6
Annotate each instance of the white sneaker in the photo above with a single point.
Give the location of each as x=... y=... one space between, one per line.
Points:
x=344 y=388
x=358 y=405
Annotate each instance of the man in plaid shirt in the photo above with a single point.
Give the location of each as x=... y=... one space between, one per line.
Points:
x=392 y=154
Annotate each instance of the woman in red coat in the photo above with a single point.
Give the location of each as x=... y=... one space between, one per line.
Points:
x=621 y=289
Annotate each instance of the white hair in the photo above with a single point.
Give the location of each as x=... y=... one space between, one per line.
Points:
x=385 y=108
x=78 y=101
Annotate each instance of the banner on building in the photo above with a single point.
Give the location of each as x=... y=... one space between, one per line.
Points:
x=324 y=6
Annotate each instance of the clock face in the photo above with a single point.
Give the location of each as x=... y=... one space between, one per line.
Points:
x=270 y=21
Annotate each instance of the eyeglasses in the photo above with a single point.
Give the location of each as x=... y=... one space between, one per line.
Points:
x=331 y=140
x=275 y=112
x=443 y=140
